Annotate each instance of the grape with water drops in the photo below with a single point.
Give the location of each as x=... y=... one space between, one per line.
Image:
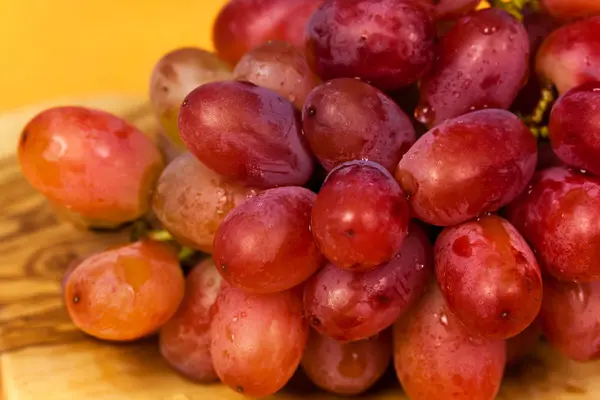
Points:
x=377 y=180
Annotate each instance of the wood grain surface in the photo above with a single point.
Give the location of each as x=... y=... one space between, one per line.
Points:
x=42 y=356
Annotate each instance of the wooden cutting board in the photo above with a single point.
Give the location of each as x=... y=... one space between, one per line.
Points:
x=43 y=357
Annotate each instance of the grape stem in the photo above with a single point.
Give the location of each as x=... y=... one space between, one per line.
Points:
x=160 y=236
x=534 y=121
x=516 y=7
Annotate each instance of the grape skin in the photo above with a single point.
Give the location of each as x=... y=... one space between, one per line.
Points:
x=569 y=318
x=489 y=277
x=451 y=9
x=575 y=127
x=191 y=201
x=388 y=43
x=81 y=160
x=246 y=133
x=265 y=244
x=568 y=9
x=278 y=66
x=482 y=63
x=346 y=368
x=346 y=119
x=347 y=305
x=449 y=183
x=245 y=24
x=184 y=341
x=436 y=357
x=175 y=75
x=125 y=293
x=360 y=217
x=570 y=55
x=559 y=216
x=257 y=339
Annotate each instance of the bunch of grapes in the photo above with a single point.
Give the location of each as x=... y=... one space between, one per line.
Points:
x=361 y=181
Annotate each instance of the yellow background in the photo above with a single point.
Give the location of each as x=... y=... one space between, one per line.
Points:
x=53 y=49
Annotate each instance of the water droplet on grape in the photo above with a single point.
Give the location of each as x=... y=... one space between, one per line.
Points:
x=419 y=267
x=443 y=319
x=425 y=114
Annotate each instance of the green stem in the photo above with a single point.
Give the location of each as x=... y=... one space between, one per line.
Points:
x=161 y=236
x=186 y=253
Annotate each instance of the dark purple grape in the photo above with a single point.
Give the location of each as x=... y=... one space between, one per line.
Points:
x=483 y=63
x=388 y=43
x=346 y=119
x=246 y=133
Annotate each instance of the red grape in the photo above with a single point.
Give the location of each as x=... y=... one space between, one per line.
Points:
x=570 y=55
x=388 y=43
x=437 y=358
x=278 y=66
x=191 y=201
x=347 y=305
x=125 y=293
x=575 y=127
x=175 y=75
x=91 y=163
x=468 y=166
x=265 y=244
x=246 y=133
x=244 y=24
x=451 y=9
x=566 y=9
x=521 y=345
x=483 y=63
x=346 y=119
x=489 y=277
x=569 y=318
x=559 y=215
x=346 y=368
x=360 y=217
x=184 y=341
x=257 y=339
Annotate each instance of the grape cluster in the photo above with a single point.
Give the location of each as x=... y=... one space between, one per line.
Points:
x=362 y=181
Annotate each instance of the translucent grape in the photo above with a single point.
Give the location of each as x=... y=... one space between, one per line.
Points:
x=559 y=215
x=360 y=217
x=81 y=160
x=257 y=339
x=184 y=341
x=125 y=293
x=435 y=355
x=191 y=201
x=347 y=305
x=265 y=244
x=346 y=368
x=575 y=127
x=175 y=75
x=278 y=66
x=570 y=55
x=489 y=277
